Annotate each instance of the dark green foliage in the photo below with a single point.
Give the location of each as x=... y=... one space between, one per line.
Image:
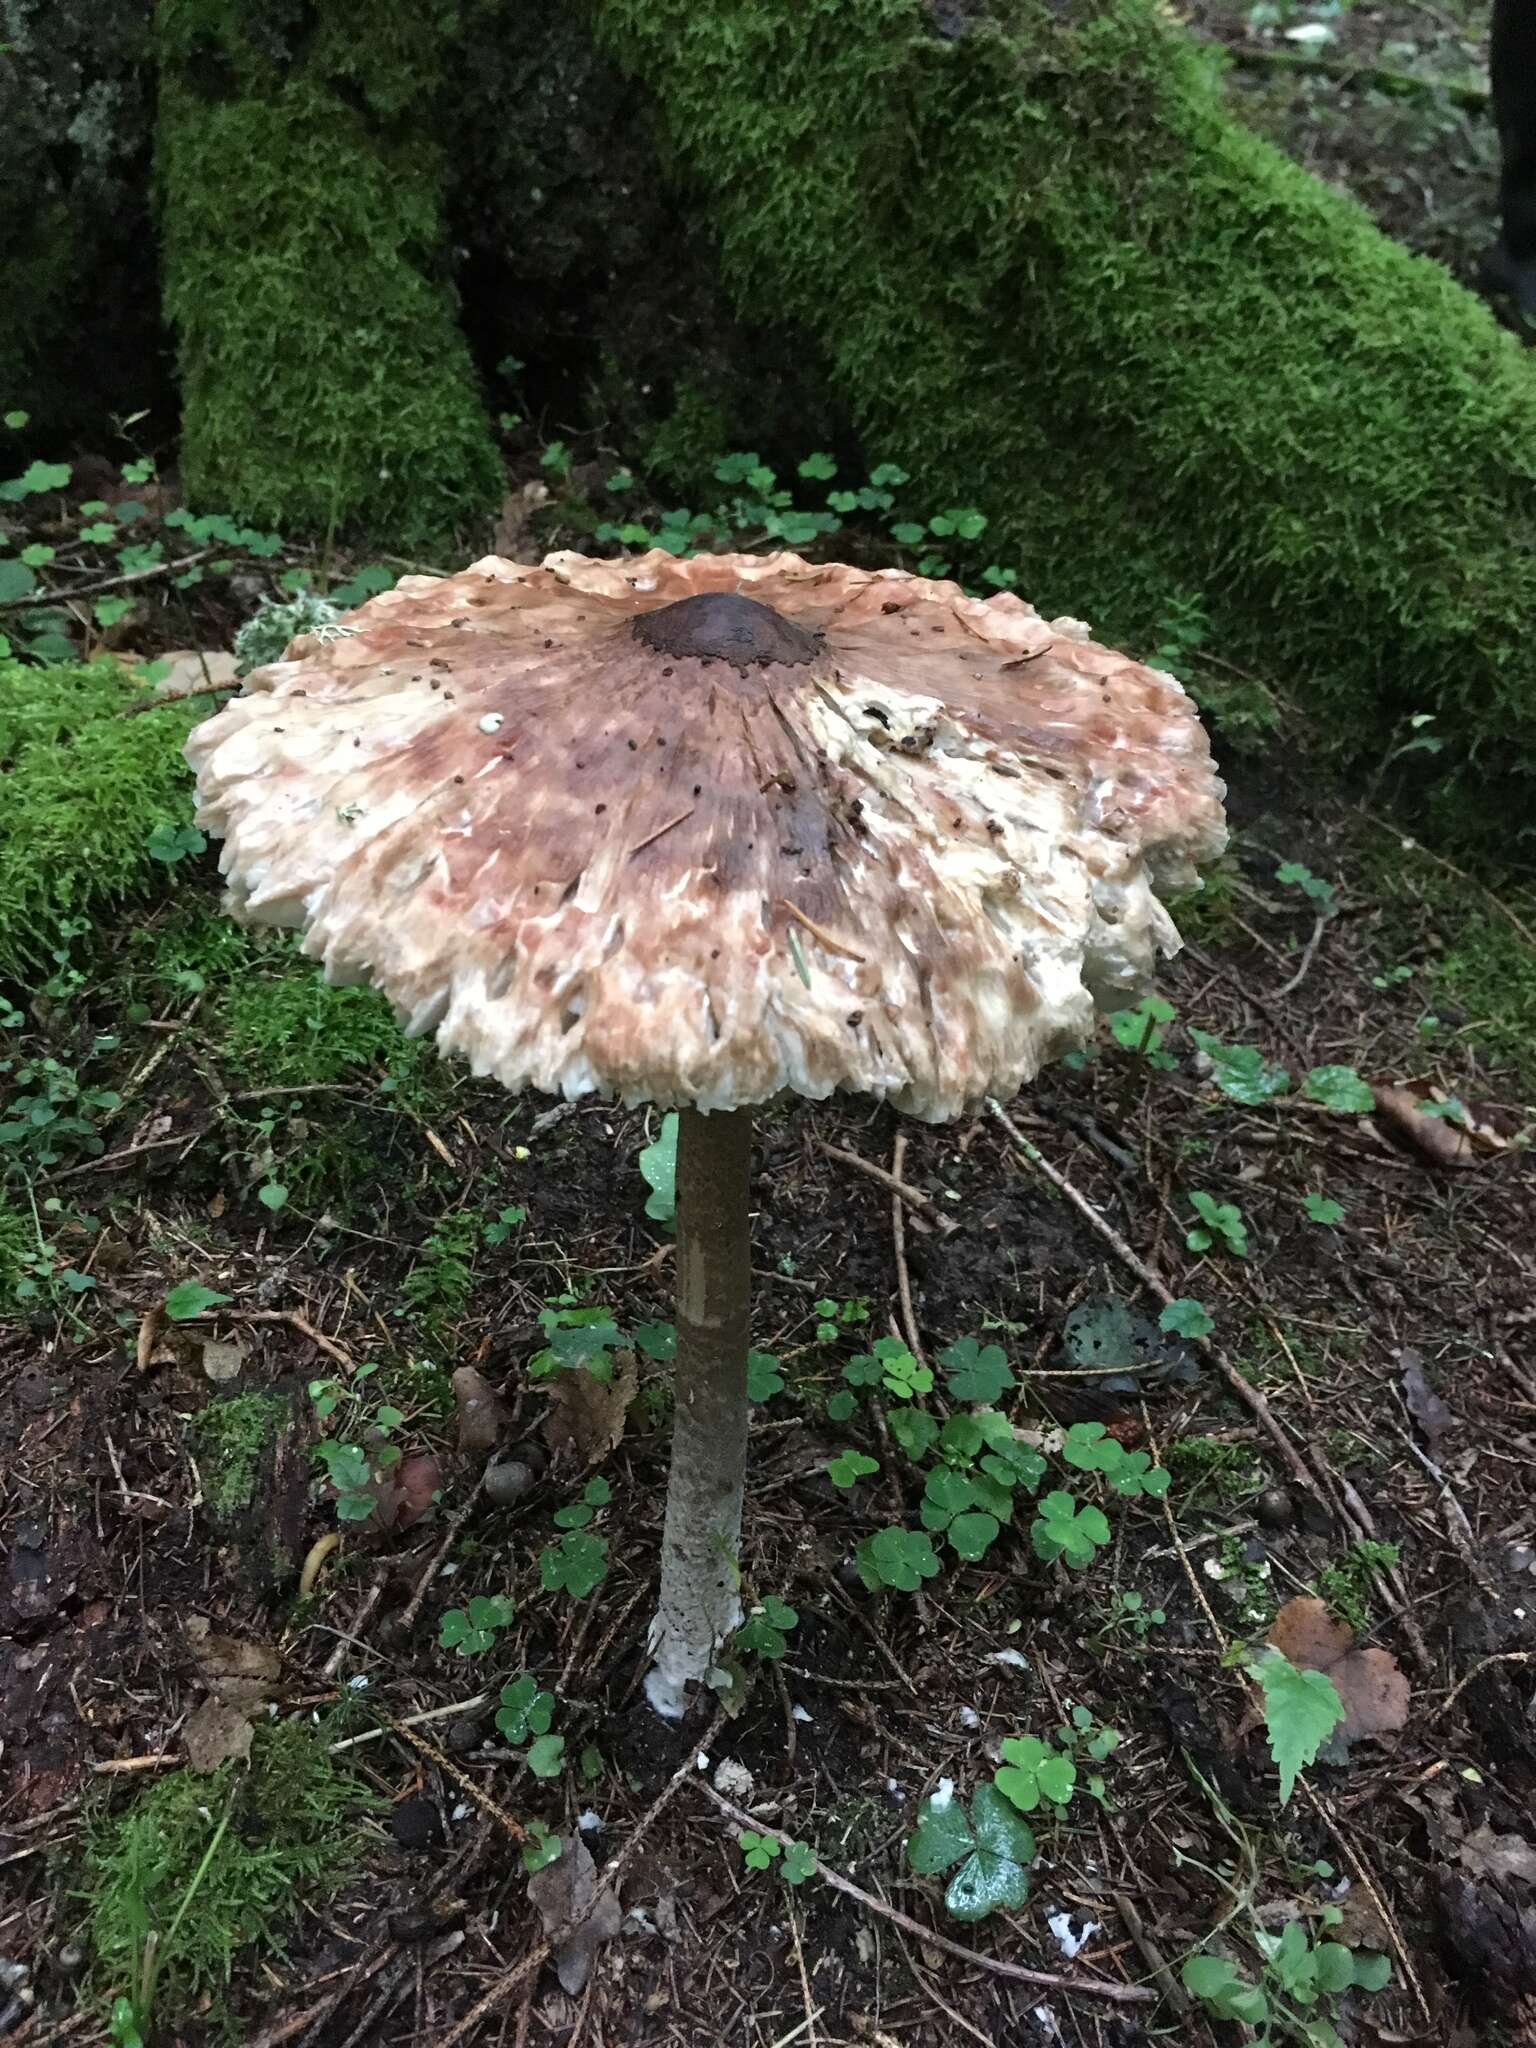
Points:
x=1053 y=278
x=81 y=789
x=325 y=383
x=290 y=1843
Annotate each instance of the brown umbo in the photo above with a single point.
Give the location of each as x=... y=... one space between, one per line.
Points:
x=700 y=833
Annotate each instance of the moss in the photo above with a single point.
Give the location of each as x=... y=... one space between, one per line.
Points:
x=81 y=789
x=18 y=1248
x=230 y=1440
x=1054 y=278
x=1230 y=1472
x=1348 y=1585
x=289 y=1028
x=291 y=1843
x=325 y=383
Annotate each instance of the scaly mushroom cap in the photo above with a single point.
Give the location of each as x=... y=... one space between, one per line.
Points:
x=696 y=832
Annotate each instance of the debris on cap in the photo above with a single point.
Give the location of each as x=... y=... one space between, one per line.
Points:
x=700 y=832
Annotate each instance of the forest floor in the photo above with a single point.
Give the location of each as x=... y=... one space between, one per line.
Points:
x=255 y=1222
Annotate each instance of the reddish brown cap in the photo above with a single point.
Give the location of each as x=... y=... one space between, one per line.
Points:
x=702 y=831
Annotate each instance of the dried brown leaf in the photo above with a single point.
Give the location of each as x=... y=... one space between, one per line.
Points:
x=1500 y=1857
x=589 y=1414
x=1371 y=1685
x=240 y=1674
x=214 y=1733
x=483 y=1417
x=577 y=1915
x=1436 y=1139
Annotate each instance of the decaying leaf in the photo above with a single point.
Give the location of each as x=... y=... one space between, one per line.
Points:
x=241 y=1674
x=1371 y=1686
x=1414 y=1119
x=577 y=1915
x=222 y=1362
x=241 y=1678
x=482 y=1415
x=588 y=1413
x=1424 y=1404
x=1500 y=1857
x=214 y=1733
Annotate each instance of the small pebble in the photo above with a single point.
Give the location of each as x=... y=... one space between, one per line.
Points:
x=506 y=1481
x=734 y=1781
x=1275 y=1508
x=464 y=1735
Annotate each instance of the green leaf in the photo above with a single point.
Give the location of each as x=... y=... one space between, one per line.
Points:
x=819 y=466
x=942 y=1836
x=525 y=1711
x=1033 y=1771
x=490 y=1610
x=900 y=1558
x=541 y=1849
x=39 y=476
x=658 y=1163
x=656 y=1340
x=971 y=1536
x=799 y=1863
x=914 y=1430
x=1372 y=1971
x=273 y=1196
x=850 y=1466
x=1213 y=1980
x=546 y=1756
x=1186 y=1317
x=1322 y=1209
x=1301 y=1711
x=757 y=1851
x=1241 y=1071
x=577 y=1564
x=906 y=535
x=764 y=1379
x=976 y=1372
x=1065 y=1530
x=191 y=1299
x=16 y=421
x=16 y=580
x=1341 y=1090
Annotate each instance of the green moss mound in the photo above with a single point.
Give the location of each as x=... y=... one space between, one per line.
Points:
x=290 y=1842
x=325 y=384
x=1054 y=278
x=81 y=789
x=231 y=1439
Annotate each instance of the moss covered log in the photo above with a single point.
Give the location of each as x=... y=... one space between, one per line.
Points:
x=325 y=383
x=1053 y=277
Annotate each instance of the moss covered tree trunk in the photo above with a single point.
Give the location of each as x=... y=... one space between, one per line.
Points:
x=1052 y=277
x=325 y=383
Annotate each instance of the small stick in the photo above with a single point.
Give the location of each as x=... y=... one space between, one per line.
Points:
x=651 y=838
x=822 y=937
x=371 y=1599
x=1502 y=1657
x=413 y=1606
x=1092 y=1987
x=304 y=1327
x=913 y=1197
x=481 y=1699
x=899 y=1241
x=1306 y=961
x=1152 y=1955
x=38 y=597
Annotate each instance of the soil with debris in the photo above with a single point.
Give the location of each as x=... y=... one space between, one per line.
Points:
x=1372 y=1385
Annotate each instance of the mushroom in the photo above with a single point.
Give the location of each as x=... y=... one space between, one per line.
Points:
x=702 y=833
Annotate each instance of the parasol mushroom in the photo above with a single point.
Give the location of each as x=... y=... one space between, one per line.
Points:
x=699 y=833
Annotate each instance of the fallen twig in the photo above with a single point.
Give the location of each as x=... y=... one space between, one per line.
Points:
x=1049 y=1980
x=1308 y=956
x=913 y=1197
x=46 y=597
x=434 y=1563
x=899 y=1244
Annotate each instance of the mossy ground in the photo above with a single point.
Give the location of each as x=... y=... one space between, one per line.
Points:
x=291 y=1842
x=84 y=787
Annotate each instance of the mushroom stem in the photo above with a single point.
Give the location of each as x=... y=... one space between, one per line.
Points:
x=700 y=1577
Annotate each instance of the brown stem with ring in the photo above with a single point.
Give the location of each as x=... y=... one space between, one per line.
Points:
x=700 y=1577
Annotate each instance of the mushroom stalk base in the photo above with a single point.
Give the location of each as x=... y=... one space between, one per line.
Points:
x=700 y=1578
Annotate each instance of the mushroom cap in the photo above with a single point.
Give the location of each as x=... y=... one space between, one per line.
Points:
x=818 y=827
